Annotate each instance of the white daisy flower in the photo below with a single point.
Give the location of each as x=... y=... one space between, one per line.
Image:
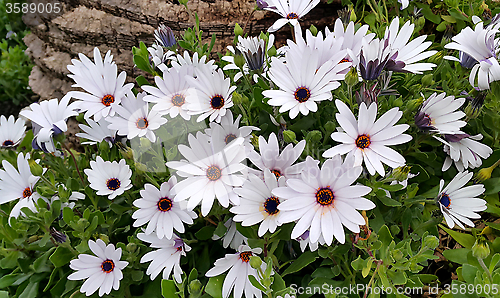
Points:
x=304 y=240
x=257 y=204
x=159 y=57
x=211 y=95
x=280 y=164
x=481 y=46
x=209 y=174
x=367 y=139
x=232 y=237
x=350 y=39
x=195 y=64
x=109 y=178
x=465 y=151
x=323 y=201
x=167 y=257
x=158 y=209
x=18 y=184
x=408 y=52
x=96 y=132
x=105 y=89
x=458 y=203
x=11 y=133
x=440 y=114
x=239 y=268
x=50 y=117
x=228 y=130
x=301 y=83
x=290 y=10
x=134 y=118
x=170 y=92
x=102 y=271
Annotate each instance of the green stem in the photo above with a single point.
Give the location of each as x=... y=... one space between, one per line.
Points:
x=76 y=164
x=483 y=265
x=372 y=279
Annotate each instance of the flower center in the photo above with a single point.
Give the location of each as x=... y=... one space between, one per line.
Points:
x=27 y=192
x=276 y=173
x=164 y=204
x=245 y=256
x=324 y=196
x=363 y=141
x=107 y=266
x=108 y=99
x=229 y=138
x=271 y=205
x=445 y=200
x=178 y=100
x=344 y=60
x=113 y=183
x=217 y=101
x=302 y=94
x=213 y=173
x=292 y=16
x=7 y=143
x=142 y=123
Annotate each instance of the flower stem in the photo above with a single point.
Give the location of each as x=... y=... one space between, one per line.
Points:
x=483 y=265
x=373 y=278
x=76 y=165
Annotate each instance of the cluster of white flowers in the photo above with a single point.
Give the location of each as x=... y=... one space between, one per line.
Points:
x=319 y=199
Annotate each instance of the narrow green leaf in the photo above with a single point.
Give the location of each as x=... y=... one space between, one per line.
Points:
x=301 y=262
x=256 y=283
x=466 y=240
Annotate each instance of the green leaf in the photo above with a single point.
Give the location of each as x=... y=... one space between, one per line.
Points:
x=388 y=201
x=428 y=14
x=492 y=186
x=398 y=278
x=142 y=64
x=394 y=187
x=61 y=256
x=205 y=233
x=4 y=294
x=214 y=286
x=384 y=235
x=8 y=280
x=455 y=13
x=469 y=273
x=466 y=240
x=278 y=283
x=449 y=19
x=192 y=275
x=494 y=261
x=30 y=291
x=141 y=80
x=256 y=283
x=40 y=264
x=458 y=255
x=366 y=270
x=168 y=289
x=301 y=262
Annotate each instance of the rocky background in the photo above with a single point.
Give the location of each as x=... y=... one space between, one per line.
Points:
x=118 y=25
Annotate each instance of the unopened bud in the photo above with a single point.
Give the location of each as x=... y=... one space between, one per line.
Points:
x=414 y=104
x=145 y=143
x=314 y=30
x=237 y=30
x=254 y=140
x=427 y=80
x=436 y=58
x=401 y=173
x=237 y=98
x=255 y=262
x=131 y=247
x=330 y=126
x=289 y=136
x=35 y=168
x=239 y=59
x=314 y=136
x=195 y=288
x=481 y=249
x=104 y=238
x=351 y=78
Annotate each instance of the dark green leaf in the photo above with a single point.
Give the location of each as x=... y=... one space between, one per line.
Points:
x=466 y=240
x=256 y=283
x=205 y=233
x=301 y=262
x=61 y=256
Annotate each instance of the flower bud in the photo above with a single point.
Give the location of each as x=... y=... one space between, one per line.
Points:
x=481 y=249
x=314 y=136
x=35 y=168
x=239 y=59
x=414 y=104
x=145 y=143
x=104 y=238
x=195 y=288
x=255 y=262
x=484 y=174
x=237 y=30
x=165 y=36
x=330 y=127
x=351 y=78
x=254 y=140
x=104 y=146
x=237 y=98
x=401 y=173
x=313 y=30
x=436 y=58
x=289 y=136
x=427 y=80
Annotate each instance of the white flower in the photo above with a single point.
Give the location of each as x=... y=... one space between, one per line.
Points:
x=257 y=204
x=209 y=174
x=367 y=139
x=305 y=240
x=134 y=119
x=170 y=92
x=280 y=164
x=18 y=184
x=323 y=201
x=11 y=133
x=167 y=257
x=464 y=151
x=103 y=271
x=239 y=268
x=301 y=82
x=158 y=209
x=458 y=203
x=50 y=117
x=159 y=57
x=211 y=95
x=404 y=3
x=228 y=130
x=440 y=114
x=232 y=237
x=290 y=10
x=408 y=52
x=105 y=89
x=194 y=64
x=350 y=39
x=479 y=44
x=109 y=178
x=96 y=132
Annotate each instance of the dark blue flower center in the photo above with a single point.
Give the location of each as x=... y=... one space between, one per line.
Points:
x=363 y=141
x=7 y=143
x=229 y=138
x=178 y=100
x=271 y=205
x=213 y=173
x=302 y=94
x=445 y=200
x=107 y=266
x=164 y=204
x=113 y=183
x=324 y=196
x=292 y=16
x=108 y=99
x=217 y=101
